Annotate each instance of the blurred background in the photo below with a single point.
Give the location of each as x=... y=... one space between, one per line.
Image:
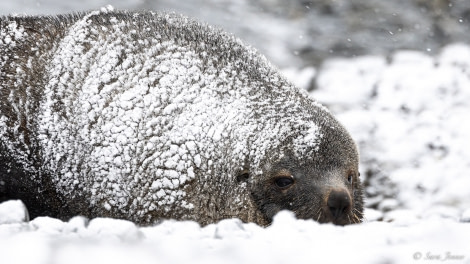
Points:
x=299 y=33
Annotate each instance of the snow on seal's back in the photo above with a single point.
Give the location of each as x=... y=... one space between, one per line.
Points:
x=147 y=116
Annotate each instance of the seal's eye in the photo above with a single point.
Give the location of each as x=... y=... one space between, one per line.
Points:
x=350 y=177
x=284 y=182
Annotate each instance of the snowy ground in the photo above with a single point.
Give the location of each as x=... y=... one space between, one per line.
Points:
x=409 y=117
x=46 y=240
x=409 y=114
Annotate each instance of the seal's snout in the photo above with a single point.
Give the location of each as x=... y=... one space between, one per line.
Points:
x=339 y=204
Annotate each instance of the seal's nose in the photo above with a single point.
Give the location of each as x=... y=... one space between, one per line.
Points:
x=339 y=203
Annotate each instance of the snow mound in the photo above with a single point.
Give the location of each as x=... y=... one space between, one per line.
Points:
x=13 y=211
x=115 y=241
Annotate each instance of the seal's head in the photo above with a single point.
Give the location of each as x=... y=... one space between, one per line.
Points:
x=320 y=182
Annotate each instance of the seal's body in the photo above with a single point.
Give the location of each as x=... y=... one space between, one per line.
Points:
x=147 y=116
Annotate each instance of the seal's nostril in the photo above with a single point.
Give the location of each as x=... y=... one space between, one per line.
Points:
x=338 y=203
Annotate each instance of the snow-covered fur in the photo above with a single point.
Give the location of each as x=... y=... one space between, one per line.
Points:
x=147 y=116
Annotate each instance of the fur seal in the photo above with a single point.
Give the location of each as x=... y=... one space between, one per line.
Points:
x=147 y=116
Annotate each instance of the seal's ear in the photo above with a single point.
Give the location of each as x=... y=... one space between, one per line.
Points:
x=243 y=175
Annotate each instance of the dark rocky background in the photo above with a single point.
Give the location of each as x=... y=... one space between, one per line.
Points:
x=298 y=33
